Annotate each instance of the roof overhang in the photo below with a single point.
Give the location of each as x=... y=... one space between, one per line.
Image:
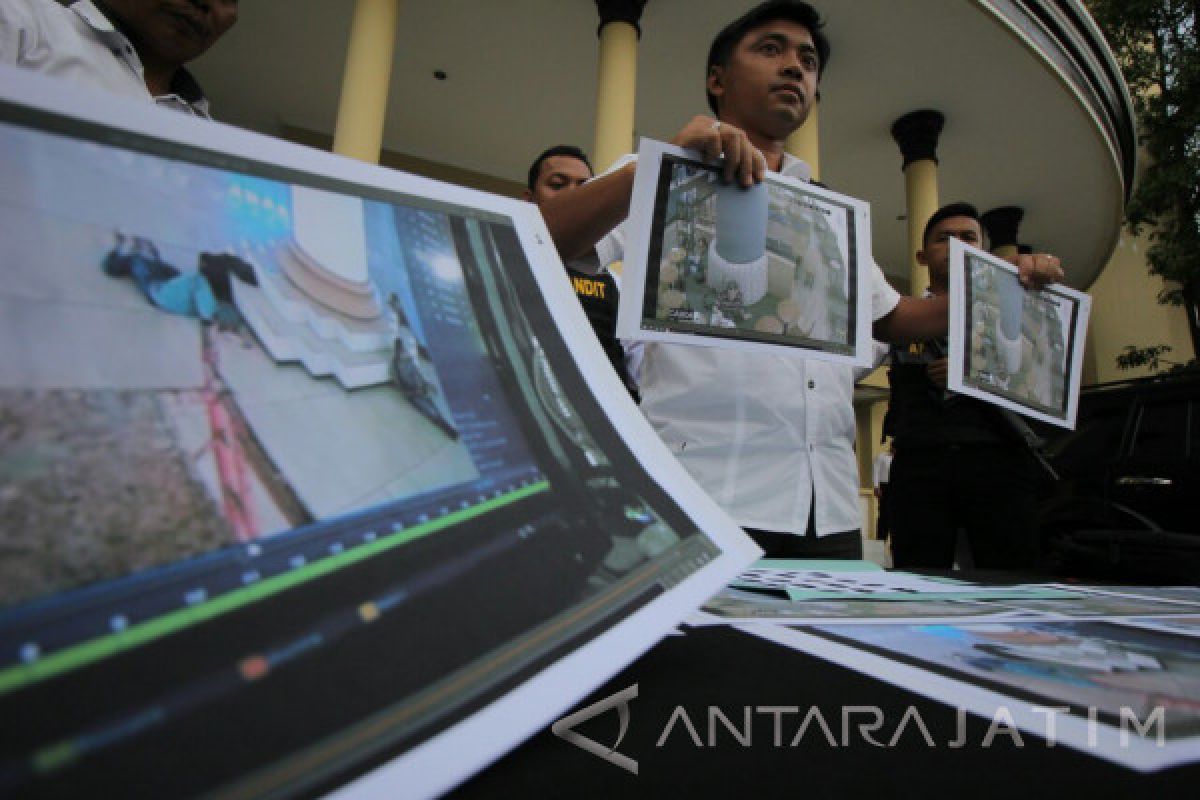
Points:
x=1037 y=115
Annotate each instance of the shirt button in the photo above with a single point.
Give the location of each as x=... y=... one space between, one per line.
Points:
x=812 y=384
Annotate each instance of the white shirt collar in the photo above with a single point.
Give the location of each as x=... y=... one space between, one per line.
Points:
x=94 y=17
x=795 y=168
x=185 y=95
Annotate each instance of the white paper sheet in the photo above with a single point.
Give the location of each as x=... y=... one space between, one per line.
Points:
x=1094 y=603
x=812 y=583
x=1185 y=626
x=733 y=606
x=1017 y=349
x=864 y=584
x=147 y=142
x=1188 y=596
x=1061 y=681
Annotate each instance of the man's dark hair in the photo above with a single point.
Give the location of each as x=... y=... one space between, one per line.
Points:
x=729 y=37
x=535 y=169
x=945 y=212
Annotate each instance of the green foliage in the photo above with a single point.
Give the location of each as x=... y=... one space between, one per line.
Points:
x=1134 y=357
x=1156 y=43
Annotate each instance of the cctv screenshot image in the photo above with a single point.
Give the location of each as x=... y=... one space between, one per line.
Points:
x=301 y=480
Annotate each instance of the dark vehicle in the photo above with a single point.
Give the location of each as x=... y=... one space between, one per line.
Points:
x=1129 y=489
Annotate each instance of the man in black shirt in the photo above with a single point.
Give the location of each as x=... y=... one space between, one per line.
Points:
x=958 y=462
x=560 y=169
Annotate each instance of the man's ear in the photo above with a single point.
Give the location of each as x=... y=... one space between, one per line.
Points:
x=715 y=82
x=921 y=258
x=527 y=195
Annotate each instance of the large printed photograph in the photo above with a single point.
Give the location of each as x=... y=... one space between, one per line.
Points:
x=773 y=265
x=270 y=433
x=1089 y=667
x=1114 y=691
x=224 y=370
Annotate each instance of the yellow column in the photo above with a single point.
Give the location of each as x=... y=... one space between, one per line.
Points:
x=868 y=418
x=921 y=196
x=363 y=103
x=804 y=143
x=917 y=135
x=616 y=91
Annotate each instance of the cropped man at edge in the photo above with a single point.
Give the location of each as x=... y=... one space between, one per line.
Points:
x=563 y=168
x=770 y=437
x=133 y=48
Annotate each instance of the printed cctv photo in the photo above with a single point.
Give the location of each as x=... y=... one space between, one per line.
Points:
x=770 y=265
x=754 y=259
x=1016 y=348
x=202 y=345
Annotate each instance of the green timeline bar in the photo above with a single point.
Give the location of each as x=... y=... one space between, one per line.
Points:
x=51 y=758
x=20 y=675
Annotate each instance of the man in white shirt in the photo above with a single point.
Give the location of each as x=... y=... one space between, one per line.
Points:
x=770 y=437
x=133 y=48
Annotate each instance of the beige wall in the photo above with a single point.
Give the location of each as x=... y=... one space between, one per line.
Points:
x=1125 y=311
x=417 y=166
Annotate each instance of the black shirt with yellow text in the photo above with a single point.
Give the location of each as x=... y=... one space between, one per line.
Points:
x=598 y=296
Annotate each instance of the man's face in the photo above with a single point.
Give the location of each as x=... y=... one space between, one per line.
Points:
x=558 y=174
x=769 y=84
x=936 y=252
x=173 y=31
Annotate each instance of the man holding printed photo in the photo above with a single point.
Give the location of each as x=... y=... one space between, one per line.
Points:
x=770 y=437
x=959 y=462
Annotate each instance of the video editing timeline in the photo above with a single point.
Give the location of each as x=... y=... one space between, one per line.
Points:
x=292 y=663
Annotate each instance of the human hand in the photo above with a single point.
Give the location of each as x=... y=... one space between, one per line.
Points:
x=1038 y=270
x=937 y=371
x=743 y=162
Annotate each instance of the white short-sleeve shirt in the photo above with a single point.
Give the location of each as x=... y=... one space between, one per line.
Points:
x=80 y=44
x=765 y=434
